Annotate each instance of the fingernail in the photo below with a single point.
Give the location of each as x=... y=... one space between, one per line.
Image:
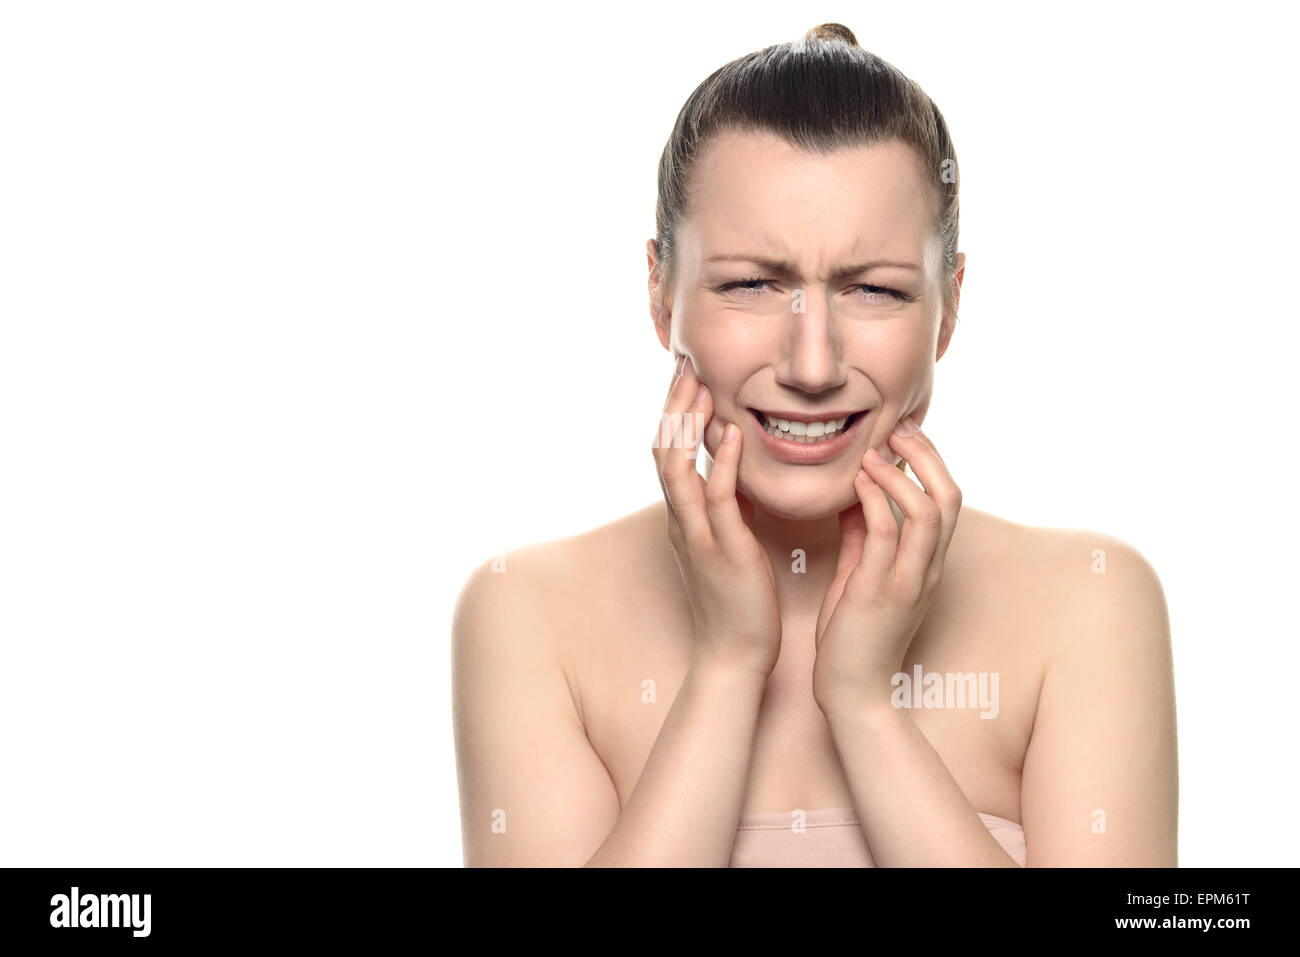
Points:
x=700 y=392
x=689 y=367
x=906 y=427
x=874 y=457
x=677 y=366
x=729 y=432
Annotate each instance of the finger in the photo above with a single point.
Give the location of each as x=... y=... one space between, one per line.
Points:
x=924 y=458
x=677 y=374
x=720 y=492
x=880 y=551
x=657 y=444
x=675 y=453
x=681 y=483
x=853 y=535
x=664 y=429
x=922 y=520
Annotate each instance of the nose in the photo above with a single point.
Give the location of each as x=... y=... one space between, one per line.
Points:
x=812 y=349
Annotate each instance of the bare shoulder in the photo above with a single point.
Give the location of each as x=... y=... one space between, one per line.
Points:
x=1095 y=570
x=508 y=650
x=1073 y=587
x=1062 y=549
x=548 y=585
x=1099 y=782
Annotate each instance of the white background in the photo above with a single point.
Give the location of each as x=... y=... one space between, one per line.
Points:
x=301 y=302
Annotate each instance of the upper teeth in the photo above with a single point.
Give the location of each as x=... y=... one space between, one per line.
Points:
x=805 y=428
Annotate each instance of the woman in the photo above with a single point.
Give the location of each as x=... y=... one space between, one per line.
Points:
x=822 y=662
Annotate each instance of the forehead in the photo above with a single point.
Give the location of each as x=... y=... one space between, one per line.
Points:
x=754 y=189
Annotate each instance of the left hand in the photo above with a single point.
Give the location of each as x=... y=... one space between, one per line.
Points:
x=884 y=581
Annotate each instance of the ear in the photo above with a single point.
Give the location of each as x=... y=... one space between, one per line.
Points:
x=659 y=309
x=949 y=324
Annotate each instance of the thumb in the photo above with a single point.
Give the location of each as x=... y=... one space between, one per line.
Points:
x=853 y=535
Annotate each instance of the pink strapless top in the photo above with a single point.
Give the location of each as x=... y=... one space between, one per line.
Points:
x=833 y=839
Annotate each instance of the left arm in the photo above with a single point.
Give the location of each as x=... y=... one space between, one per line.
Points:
x=1099 y=786
x=910 y=807
x=911 y=810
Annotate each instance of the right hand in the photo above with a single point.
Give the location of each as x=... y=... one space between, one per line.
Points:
x=728 y=574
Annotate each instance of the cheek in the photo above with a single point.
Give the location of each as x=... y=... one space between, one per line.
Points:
x=895 y=364
x=719 y=360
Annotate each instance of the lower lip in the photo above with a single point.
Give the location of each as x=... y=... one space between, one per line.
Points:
x=802 y=453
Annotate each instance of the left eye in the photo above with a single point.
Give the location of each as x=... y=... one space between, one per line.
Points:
x=746 y=287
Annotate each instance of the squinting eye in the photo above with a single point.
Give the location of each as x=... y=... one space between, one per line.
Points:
x=882 y=294
x=735 y=286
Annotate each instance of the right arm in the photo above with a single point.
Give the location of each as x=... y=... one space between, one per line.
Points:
x=523 y=755
x=534 y=792
x=686 y=806
x=687 y=803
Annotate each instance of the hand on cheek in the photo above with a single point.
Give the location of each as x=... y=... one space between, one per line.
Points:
x=886 y=576
x=728 y=576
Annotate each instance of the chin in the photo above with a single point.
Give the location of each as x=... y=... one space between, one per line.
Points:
x=810 y=504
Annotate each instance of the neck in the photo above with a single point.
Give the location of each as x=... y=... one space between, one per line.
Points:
x=818 y=540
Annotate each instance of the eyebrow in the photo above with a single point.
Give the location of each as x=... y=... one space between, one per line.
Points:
x=787 y=269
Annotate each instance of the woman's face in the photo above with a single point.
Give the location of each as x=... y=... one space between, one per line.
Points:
x=810 y=286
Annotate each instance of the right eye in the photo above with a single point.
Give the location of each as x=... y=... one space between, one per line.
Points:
x=743 y=286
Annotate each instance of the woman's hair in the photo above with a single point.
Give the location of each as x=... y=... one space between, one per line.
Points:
x=821 y=93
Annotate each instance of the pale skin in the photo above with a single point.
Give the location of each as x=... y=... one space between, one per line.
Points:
x=622 y=697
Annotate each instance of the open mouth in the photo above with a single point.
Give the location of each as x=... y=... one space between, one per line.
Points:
x=806 y=433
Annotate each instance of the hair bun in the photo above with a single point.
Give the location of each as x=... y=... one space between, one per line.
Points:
x=832 y=31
